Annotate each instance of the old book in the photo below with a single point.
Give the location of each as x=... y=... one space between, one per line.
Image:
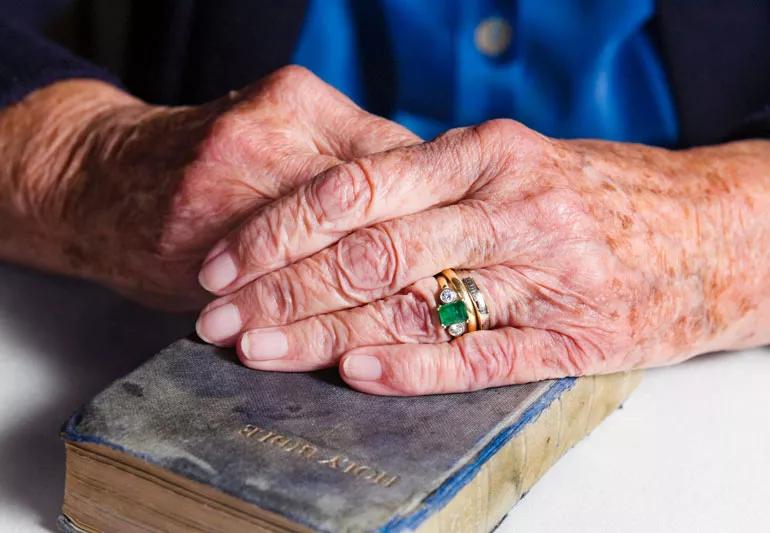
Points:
x=192 y=441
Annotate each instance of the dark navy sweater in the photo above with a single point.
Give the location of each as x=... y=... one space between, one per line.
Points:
x=717 y=53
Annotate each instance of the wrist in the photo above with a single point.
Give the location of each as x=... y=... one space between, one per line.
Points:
x=703 y=243
x=46 y=139
x=731 y=191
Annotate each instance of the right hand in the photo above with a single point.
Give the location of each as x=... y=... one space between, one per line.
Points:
x=144 y=191
x=594 y=257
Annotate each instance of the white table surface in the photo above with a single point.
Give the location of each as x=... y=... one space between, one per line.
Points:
x=690 y=451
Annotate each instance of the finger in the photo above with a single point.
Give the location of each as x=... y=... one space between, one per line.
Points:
x=319 y=341
x=365 y=266
x=474 y=361
x=351 y=196
x=408 y=317
x=250 y=192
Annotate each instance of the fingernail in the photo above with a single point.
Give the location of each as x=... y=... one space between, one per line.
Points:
x=218 y=273
x=219 y=324
x=264 y=344
x=362 y=368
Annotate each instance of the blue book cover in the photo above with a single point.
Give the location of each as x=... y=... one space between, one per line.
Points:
x=306 y=448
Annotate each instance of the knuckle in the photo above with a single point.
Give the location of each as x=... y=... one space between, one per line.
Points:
x=329 y=339
x=504 y=142
x=259 y=244
x=411 y=319
x=367 y=262
x=284 y=92
x=291 y=76
x=504 y=127
x=275 y=299
x=344 y=191
x=501 y=131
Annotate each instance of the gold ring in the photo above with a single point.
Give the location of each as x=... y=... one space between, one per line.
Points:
x=456 y=311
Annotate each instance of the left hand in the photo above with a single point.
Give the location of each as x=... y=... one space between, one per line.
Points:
x=101 y=185
x=594 y=257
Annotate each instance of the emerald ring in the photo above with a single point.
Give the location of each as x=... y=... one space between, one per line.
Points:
x=458 y=307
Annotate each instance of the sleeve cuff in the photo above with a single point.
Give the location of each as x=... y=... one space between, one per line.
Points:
x=28 y=62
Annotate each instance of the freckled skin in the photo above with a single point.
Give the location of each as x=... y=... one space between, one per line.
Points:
x=103 y=186
x=596 y=257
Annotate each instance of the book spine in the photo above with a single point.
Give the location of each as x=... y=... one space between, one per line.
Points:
x=515 y=468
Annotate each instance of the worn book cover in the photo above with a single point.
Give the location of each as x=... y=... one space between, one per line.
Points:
x=193 y=441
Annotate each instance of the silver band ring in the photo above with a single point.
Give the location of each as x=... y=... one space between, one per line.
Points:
x=482 y=311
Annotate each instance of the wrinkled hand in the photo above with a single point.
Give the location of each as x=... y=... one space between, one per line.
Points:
x=594 y=257
x=149 y=189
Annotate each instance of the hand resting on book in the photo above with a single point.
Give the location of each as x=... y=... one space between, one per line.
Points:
x=320 y=227
x=594 y=256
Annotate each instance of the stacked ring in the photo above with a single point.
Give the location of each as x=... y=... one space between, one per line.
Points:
x=462 y=307
x=479 y=303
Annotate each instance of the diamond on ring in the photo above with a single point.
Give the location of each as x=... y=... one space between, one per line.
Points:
x=447 y=295
x=456 y=329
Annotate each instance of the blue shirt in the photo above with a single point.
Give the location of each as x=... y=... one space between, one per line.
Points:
x=566 y=68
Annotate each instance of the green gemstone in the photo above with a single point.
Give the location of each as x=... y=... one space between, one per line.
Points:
x=452 y=313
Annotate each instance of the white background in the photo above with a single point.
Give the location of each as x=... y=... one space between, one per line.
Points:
x=690 y=450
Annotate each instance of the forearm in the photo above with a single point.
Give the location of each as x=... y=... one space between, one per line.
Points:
x=44 y=143
x=705 y=212
x=735 y=187
x=692 y=228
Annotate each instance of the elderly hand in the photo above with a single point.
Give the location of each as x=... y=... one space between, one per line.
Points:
x=132 y=195
x=593 y=256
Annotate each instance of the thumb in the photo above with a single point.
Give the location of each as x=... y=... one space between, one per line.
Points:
x=361 y=133
x=348 y=132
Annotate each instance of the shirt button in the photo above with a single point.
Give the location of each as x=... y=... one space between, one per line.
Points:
x=493 y=36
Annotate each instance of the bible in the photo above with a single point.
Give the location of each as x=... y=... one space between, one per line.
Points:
x=193 y=441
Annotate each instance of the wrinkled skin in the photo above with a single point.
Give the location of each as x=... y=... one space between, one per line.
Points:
x=319 y=228
x=133 y=195
x=594 y=257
